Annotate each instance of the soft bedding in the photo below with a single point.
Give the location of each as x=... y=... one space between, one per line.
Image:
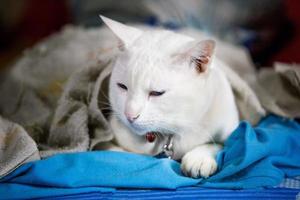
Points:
x=259 y=157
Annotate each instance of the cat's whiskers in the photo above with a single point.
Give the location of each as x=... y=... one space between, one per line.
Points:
x=115 y=114
x=104 y=102
x=104 y=95
x=105 y=107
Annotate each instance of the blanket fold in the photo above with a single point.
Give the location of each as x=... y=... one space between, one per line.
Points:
x=252 y=157
x=261 y=156
x=17 y=147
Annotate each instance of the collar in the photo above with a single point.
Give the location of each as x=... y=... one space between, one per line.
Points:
x=168 y=147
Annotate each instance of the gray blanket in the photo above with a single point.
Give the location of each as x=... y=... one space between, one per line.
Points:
x=54 y=99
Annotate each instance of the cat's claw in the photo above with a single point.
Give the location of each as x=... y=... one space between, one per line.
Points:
x=197 y=166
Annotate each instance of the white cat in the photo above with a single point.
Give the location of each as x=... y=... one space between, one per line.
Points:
x=171 y=85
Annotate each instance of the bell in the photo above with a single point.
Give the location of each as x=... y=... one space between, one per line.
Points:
x=150 y=137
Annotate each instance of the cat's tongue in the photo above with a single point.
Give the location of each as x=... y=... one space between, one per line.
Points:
x=150 y=136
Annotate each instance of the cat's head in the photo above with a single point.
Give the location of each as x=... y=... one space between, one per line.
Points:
x=159 y=78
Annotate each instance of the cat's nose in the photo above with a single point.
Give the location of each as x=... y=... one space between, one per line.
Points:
x=131 y=118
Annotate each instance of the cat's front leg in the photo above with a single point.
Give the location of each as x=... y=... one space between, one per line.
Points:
x=200 y=161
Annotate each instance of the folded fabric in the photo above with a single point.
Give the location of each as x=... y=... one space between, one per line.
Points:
x=16 y=147
x=89 y=170
x=259 y=157
x=252 y=157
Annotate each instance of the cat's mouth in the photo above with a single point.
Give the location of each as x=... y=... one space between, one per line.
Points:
x=142 y=129
x=151 y=132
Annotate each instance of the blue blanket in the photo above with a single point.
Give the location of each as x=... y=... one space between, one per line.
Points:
x=252 y=157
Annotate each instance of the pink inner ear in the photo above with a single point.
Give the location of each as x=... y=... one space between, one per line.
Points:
x=201 y=63
x=199 y=55
x=202 y=53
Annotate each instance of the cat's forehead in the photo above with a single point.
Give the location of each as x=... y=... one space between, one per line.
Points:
x=142 y=70
x=150 y=56
x=158 y=42
x=154 y=48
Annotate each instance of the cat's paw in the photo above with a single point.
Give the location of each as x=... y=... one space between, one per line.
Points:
x=197 y=165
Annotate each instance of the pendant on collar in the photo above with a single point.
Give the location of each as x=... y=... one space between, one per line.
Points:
x=168 y=147
x=150 y=137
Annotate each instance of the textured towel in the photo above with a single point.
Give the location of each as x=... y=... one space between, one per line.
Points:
x=252 y=157
x=16 y=147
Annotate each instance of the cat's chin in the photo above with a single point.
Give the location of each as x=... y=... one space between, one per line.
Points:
x=143 y=130
x=138 y=129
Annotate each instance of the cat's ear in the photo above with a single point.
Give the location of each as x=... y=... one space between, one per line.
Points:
x=200 y=54
x=126 y=34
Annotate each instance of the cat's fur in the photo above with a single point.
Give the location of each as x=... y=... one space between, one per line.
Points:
x=197 y=106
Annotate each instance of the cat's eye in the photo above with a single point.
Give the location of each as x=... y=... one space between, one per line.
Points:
x=156 y=93
x=122 y=86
